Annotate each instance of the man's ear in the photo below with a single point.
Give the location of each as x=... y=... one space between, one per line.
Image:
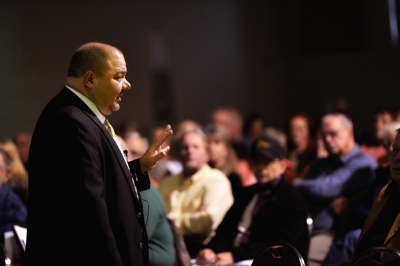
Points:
x=89 y=77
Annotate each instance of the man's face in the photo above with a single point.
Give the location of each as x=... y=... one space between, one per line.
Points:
x=268 y=170
x=136 y=145
x=395 y=159
x=109 y=87
x=218 y=149
x=193 y=152
x=381 y=120
x=223 y=119
x=299 y=130
x=336 y=137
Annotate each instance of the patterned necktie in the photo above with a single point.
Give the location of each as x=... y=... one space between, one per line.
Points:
x=110 y=129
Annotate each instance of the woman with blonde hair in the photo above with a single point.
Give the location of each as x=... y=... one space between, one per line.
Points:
x=18 y=176
x=223 y=156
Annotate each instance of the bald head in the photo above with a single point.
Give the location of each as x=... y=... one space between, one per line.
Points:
x=90 y=57
x=98 y=71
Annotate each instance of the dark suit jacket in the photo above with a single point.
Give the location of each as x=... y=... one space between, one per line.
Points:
x=282 y=218
x=82 y=206
x=392 y=239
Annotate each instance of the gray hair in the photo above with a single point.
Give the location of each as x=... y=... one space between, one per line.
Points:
x=346 y=122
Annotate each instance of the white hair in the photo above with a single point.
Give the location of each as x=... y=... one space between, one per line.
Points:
x=346 y=122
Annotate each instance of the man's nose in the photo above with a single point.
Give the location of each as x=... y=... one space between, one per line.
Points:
x=127 y=85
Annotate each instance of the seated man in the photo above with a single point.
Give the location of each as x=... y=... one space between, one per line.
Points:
x=334 y=184
x=198 y=199
x=270 y=210
x=383 y=221
x=346 y=172
x=342 y=249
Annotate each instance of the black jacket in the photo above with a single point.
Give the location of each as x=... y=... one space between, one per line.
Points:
x=82 y=206
x=282 y=218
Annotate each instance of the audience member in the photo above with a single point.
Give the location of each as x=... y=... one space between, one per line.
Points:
x=126 y=126
x=161 y=238
x=384 y=115
x=222 y=155
x=197 y=199
x=136 y=143
x=277 y=135
x=159 y=232
x=301 y=146
x=230 y=119
x=271 y=210
x=341 y=250
x=169 y=165
x=346 y=172
x=333 y=184
x=17 y=177
x=12 y=210
x=382 y=223
x=22 y=140
x=254 y=125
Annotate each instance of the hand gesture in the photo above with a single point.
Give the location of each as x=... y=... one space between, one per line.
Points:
x=155 y=153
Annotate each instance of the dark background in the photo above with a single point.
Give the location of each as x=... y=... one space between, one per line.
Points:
x=187 y=57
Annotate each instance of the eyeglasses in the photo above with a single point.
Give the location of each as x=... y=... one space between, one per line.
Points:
x=331 y=133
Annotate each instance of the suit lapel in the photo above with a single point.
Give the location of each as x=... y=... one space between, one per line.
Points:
x=393 y=230
x=70 y=97
x=117 y=152
x=373 y=214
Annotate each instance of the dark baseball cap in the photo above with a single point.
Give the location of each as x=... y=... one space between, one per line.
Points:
x=266 y=148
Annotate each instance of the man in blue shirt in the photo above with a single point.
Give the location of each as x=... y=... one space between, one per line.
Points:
x=335 y=184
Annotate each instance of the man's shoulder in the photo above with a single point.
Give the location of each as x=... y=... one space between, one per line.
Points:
x=363 y=160
x=215 y=173
x=170 y=181
x=65 y=105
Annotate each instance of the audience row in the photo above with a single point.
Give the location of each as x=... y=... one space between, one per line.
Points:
x=229 y=188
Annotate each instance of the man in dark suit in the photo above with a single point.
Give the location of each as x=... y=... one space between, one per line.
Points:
x=84 y=208
x=268 y=211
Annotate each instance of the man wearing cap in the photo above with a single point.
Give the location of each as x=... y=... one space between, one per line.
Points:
x=270 y=210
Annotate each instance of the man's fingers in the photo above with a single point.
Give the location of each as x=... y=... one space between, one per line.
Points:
x=167 y=132
x=159 y=141
x=161 y=154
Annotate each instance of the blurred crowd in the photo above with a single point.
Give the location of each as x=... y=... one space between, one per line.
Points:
x=317 y=181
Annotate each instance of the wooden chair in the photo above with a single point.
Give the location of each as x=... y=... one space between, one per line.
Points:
x=378 y=256
x=279 y=253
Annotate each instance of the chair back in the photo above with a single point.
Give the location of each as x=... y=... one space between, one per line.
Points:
x=4 y=260
x=182 y=257
x=279 y=253
x=378 y=256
